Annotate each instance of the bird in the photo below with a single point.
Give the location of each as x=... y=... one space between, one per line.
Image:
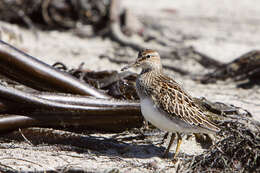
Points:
x=165 y=104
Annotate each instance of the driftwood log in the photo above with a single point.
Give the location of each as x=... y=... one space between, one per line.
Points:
x=26 y=109
x=26 y=69
x=22 y=109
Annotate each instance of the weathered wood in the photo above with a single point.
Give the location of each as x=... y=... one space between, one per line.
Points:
x=22 y=109
x=30 y=71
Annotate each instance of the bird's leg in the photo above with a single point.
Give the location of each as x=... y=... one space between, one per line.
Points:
x=146 y=125
x=189 y=136
x=204 y=140
x=164 y=137
x=169 y=145
x=199 y=137
x=179 y=140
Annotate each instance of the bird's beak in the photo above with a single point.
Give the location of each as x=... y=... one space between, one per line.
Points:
x=129 y=66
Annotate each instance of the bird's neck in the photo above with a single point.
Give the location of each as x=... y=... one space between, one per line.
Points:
x=147 y=75
x=151 y=70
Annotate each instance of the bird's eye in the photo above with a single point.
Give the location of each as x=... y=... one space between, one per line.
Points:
x=148 y=56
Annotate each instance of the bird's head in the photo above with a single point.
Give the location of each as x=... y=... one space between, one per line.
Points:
x=147 y=59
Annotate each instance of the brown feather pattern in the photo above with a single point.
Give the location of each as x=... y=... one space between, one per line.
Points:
x=169 y=96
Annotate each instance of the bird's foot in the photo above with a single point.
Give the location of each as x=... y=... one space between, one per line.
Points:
x=164 y=138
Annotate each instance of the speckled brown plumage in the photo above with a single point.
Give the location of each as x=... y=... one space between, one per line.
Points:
x=170 y=97
x=164 y=103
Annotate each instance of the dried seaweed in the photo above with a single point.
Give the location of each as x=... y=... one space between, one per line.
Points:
x=118 y=85
x=245 y=67
x=63 y=14
x=238 y=150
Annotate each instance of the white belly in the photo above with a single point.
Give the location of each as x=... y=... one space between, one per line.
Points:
x=155 y=117
x=160 y=120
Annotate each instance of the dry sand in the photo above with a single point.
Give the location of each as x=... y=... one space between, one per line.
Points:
x=221 y=29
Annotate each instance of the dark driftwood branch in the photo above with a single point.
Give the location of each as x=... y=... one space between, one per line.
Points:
x=50 y=110
x=41 y=109
x=112 y=122
x=46 y=103
x=9 y=122
x=26 y=69
x=87 y=101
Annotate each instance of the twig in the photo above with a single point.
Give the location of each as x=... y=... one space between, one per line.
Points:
x=29 y=142
x=8 y=167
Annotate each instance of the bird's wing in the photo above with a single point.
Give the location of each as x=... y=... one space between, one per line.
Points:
x=171 y=98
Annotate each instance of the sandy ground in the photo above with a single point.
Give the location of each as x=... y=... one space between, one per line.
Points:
x=221 y=29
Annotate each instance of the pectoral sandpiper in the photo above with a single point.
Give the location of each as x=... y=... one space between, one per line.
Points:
x=164 y=103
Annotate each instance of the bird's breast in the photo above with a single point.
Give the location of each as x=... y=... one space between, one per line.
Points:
x=154 y=116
